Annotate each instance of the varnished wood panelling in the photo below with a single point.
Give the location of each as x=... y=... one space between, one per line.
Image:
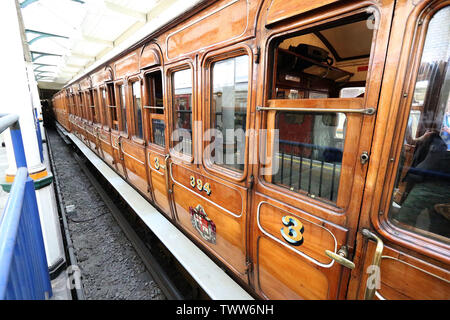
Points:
x=85 y=83
x=127 y=65
x=291 y=277
x=158 y=179
x=134 y=161
x=317 y=236
x=406 y=278
x=282 y=9
x=117 y=154
x=230 y=231
x=149 y=57
x=231 y=199
x=101 y=76
x=227 y=20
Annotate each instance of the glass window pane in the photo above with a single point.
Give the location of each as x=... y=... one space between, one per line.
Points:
x=182 y=108
x=104 y=106
x=155 y=91
x=229 y=111
x=309 y=155
x=123 y=104
x=136 y=88
x=158 y=127
x=112 y=108
x=421 y=198
x=304 y=67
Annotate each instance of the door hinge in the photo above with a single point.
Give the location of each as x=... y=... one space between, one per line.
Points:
x=256 y=54
x=248 y=266
x=251 y=182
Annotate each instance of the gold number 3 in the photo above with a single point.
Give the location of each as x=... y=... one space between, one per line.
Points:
x=293 y=232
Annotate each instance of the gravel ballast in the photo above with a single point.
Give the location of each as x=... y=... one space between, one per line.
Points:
x=110 y=267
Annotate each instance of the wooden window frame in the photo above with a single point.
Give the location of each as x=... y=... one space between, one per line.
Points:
x=209 y=60
x=429 y=246
x=110 y=105
x=117 y=85
x=350 y=154
x=182 y=65
x=149 y=115
x=131 y=80
x=84 y=106
x=103 y=103
x=96 y=103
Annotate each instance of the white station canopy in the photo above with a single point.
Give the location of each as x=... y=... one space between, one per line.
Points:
x=68 y=38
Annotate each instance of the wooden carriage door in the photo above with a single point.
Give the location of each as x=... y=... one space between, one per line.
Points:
x=404 y=240
x=211 y=197
x=157 y=148
x=314 y=154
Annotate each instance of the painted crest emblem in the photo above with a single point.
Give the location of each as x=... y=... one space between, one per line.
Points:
x=204 y=225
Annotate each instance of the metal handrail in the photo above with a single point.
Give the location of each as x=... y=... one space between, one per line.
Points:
x=23 y=263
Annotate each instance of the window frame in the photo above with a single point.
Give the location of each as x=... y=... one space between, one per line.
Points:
x=130 y=81
x=103 y=105
x=351 y=158
x=97 y=106
x=111 y=105
x=149 y=115
x=182 y=65
x=86 y=106
x=89 y=93
x=209 y=60
x=430 y=246
x=118 y=97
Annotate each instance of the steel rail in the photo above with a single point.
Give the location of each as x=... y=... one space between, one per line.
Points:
x=79 y=292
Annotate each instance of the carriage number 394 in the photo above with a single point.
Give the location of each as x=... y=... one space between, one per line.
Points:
x=198 y=183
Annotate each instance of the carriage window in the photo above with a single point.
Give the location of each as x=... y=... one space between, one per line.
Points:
x=156 y=107
x=421 y=197
x=123 y=108
x=91 y=106
x=319 y=63
x=80 y=105
x=324 y=67
x=104 y=106
x=87 y=108
x=155 y=92
x=182 y=111
x=137 y=109
x=158 y=127
x=96 y=106
x=112 y=108
x=309 y=155
x=229 y=111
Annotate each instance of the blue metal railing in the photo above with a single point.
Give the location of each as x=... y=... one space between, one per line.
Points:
x=23 y=263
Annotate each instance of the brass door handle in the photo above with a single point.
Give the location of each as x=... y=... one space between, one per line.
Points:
x=341 y=257
x=370 y=292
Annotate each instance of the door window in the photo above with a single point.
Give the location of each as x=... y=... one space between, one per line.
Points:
x=318 y=79
x=229 y=111
x=182 y=111
x=421 y=197
x=137 y=109
x=156 y=108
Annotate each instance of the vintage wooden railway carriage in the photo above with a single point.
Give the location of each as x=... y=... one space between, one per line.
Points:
x=330 y=176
